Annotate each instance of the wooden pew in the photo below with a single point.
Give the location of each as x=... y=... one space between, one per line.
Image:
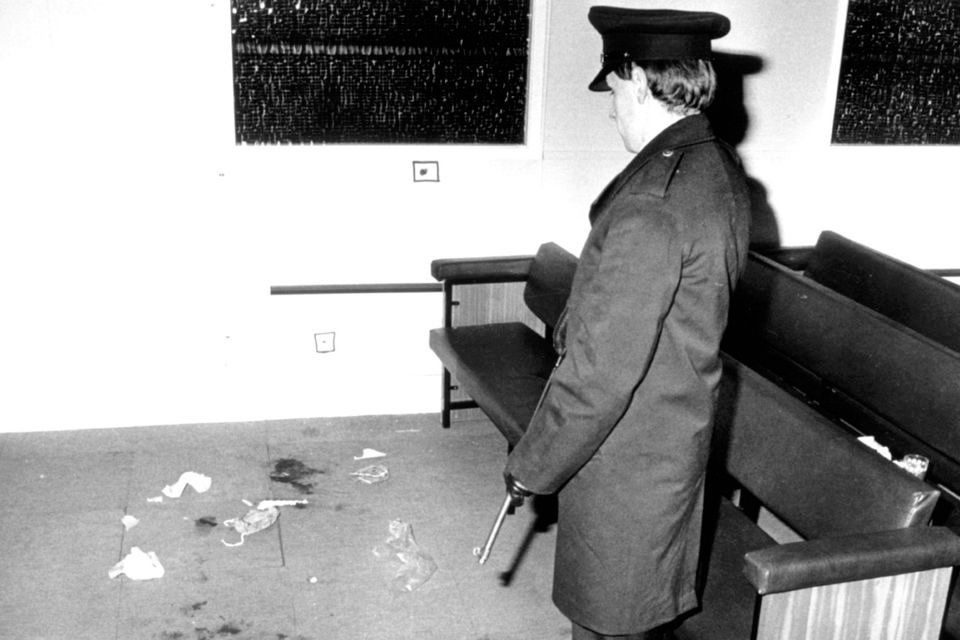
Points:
x=859 y=515
x=866 y=371
x=913 y=297
x=863 y=519
x=870 y=342
x=503 y=366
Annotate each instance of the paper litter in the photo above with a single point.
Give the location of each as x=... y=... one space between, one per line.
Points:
x=198 y=481
x=871 y=442
x=266 y=504
x=372 y=474
x=129 y=522
x=258 y=519
x=138 y=565
x=369 y=453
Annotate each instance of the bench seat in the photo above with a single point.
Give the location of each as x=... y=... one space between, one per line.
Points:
x=728 y=599
x=862 y=521
x=502 y=366
x=848 y=504
x=855 y=364
x=872 y=342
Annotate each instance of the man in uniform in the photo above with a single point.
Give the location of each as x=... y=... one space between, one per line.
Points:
x=623 y=430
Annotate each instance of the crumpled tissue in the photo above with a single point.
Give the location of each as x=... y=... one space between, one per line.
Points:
x=138 y=565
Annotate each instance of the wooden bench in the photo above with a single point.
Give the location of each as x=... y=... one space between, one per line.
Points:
x=914 y=297
x=502 y=366
x=867 y=372
x=872 y=342
x=863 y=518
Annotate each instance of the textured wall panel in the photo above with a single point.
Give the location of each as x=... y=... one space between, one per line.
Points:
x=900 y=73
x=380 y=71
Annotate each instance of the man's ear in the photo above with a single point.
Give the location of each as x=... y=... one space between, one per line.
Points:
x=638 y=76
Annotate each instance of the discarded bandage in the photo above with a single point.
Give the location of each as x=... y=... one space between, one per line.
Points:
x=258 y=519
x=371 y=475
x=416 y=567
x=198 y=481
x=138 y=565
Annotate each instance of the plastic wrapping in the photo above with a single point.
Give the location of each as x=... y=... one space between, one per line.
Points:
x=253 y=521
x=258 y=519
x=416 y=566
x=372 y=474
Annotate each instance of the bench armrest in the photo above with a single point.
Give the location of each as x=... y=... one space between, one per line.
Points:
x=481 y=270
x=801 y=565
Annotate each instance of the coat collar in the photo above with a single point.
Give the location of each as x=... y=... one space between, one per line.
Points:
x=682 y=133
x=688 y=131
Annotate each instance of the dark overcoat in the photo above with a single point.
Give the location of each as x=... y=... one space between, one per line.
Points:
x=623 y=429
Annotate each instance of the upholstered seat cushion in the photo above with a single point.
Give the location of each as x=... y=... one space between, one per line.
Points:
x=503 y=367
x=728 y=598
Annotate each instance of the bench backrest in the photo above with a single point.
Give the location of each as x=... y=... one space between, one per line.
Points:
x=549 y=281
x=905 y=379
x=927 y=303
x=805 y=469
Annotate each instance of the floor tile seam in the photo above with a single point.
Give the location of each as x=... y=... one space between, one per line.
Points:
x=118 y=613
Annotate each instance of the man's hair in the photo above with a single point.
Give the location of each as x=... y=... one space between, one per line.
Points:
x=684 y=86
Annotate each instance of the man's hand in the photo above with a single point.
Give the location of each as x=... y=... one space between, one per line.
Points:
x=515 y=490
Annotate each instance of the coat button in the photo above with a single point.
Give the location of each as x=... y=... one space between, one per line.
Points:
x=668 y=153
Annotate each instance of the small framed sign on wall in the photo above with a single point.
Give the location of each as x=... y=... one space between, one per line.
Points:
x=380 y=71
x=900 y=73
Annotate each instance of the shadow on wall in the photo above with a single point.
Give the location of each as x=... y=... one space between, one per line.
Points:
x=730 y=120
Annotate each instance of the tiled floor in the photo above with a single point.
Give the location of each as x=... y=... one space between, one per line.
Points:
x=312 y=575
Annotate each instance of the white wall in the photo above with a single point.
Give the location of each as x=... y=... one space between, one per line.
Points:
x=139 y=243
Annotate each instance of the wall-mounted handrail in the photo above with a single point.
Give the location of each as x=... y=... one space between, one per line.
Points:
x=392 y=287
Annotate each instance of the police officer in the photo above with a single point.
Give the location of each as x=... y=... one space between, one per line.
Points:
x=623 y=430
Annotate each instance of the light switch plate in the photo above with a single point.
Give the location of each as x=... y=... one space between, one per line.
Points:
x=325 y=342
x=426 y=171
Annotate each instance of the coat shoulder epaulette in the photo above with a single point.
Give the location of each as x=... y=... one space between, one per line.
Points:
x=657 y=174
x=660 y=170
